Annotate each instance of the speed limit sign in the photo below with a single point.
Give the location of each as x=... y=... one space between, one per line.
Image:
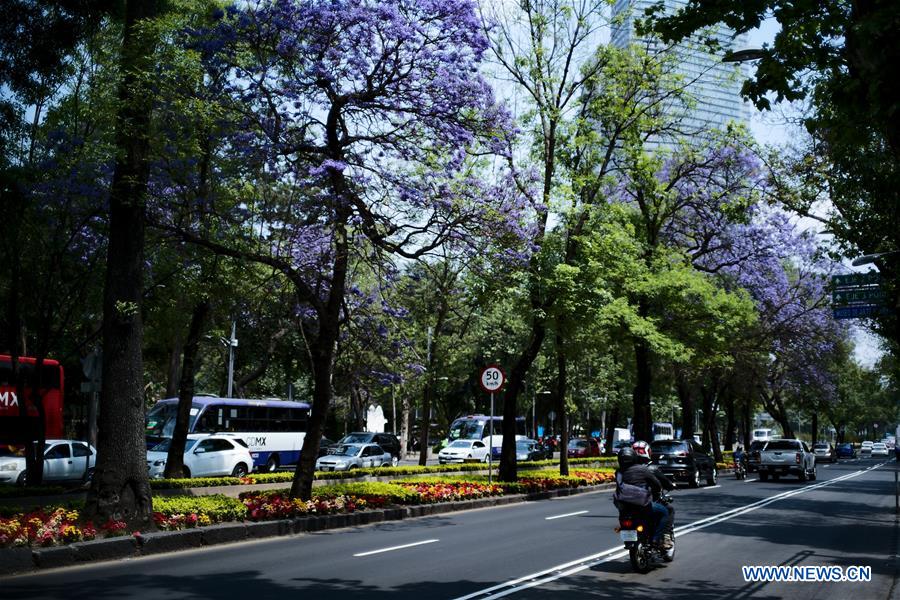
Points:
x=492 y=379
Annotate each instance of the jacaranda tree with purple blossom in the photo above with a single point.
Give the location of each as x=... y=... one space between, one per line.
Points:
x=356 y=119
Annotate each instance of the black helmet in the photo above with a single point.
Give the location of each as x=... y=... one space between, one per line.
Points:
x=627 y=458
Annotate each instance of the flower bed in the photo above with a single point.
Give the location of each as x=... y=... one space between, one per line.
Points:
x=53 y=527
x=63 y=525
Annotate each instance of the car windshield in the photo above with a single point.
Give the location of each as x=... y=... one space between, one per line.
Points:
x=461 y=444
x=878 y=446
x=821 y=446
x=356 y=438
x=163 y=446
x=579 y=443
x=757 y=445
x=347 y=450
x=524 y=445
x=665 y=447
x=784 y=445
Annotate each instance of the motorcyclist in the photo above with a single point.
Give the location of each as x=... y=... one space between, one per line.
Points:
x=642 y=452
x=632 y=471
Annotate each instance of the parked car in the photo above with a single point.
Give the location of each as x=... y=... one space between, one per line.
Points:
x=684 y=460
x=352 y=456
x=460 y=450
x=846 y=451
x=64 y=460
x=583 y=447
x=530 y=450
x=388 y=441
x=879 y=449
x=753 y=455
x=824 y=451
x=204 y=456
x=866 y=447
x=787 y=457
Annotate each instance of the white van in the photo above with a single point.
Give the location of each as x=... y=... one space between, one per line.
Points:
x=763 y=435
x=663 y=431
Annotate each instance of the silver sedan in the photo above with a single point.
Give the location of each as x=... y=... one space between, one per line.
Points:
x=351 y=456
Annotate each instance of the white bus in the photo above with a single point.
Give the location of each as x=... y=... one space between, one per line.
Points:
x=478 y=427
x=273 y=430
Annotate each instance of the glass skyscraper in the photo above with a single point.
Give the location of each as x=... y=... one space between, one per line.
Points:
x=715 y=86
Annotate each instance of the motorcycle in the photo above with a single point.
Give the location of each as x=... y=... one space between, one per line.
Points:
x=636 y=531
x=740 y=468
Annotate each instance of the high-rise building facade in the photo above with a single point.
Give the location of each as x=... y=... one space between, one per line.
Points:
x=715 y=86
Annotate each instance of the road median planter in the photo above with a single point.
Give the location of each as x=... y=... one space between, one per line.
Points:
x=218 y=520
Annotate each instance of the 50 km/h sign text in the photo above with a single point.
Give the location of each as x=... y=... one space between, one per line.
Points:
x=492 y=379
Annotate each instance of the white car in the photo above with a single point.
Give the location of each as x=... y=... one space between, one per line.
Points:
x=204 y=456
x=866 y=447
x=64 y=460
x=879 y=449
x=461 y=450
x=350 y=456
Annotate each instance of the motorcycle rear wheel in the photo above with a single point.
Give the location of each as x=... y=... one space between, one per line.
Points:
x=640 y=558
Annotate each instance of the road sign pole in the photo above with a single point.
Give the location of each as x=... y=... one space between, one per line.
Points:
x=492 y=379
x=491 y=445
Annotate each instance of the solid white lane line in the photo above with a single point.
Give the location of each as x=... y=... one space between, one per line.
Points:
x=711 y=487
x=576 y=566
x=580 y=512
x=379 y=551
x=749 y=480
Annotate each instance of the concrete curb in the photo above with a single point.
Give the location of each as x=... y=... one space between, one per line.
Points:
x=24 y=560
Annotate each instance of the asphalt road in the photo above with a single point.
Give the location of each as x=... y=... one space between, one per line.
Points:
x=548 y=549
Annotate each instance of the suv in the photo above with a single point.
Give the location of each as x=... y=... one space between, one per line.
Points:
x=684 y=460
x=388 y=441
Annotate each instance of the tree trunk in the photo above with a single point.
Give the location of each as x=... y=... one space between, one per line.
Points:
x=683 y=389
x=612 y=423
x=746 y=419
x=514 y=387
x=174 y=374
x=561 y=385
x=775 y=407
x=642 y=421
x=815 y=427
x=175 y=460
x=730 y=423
x=404 y=425
x=120 y=488
x=324 y=345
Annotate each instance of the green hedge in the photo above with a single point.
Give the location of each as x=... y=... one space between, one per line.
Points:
x=216 y=507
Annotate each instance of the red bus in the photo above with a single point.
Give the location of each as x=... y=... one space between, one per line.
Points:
x=13 y=428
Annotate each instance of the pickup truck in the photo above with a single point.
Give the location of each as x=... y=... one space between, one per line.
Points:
x=787 y=457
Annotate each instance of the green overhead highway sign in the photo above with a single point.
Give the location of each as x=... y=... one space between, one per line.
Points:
x=856 y=279
x=869 y=295
x=860 y=311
